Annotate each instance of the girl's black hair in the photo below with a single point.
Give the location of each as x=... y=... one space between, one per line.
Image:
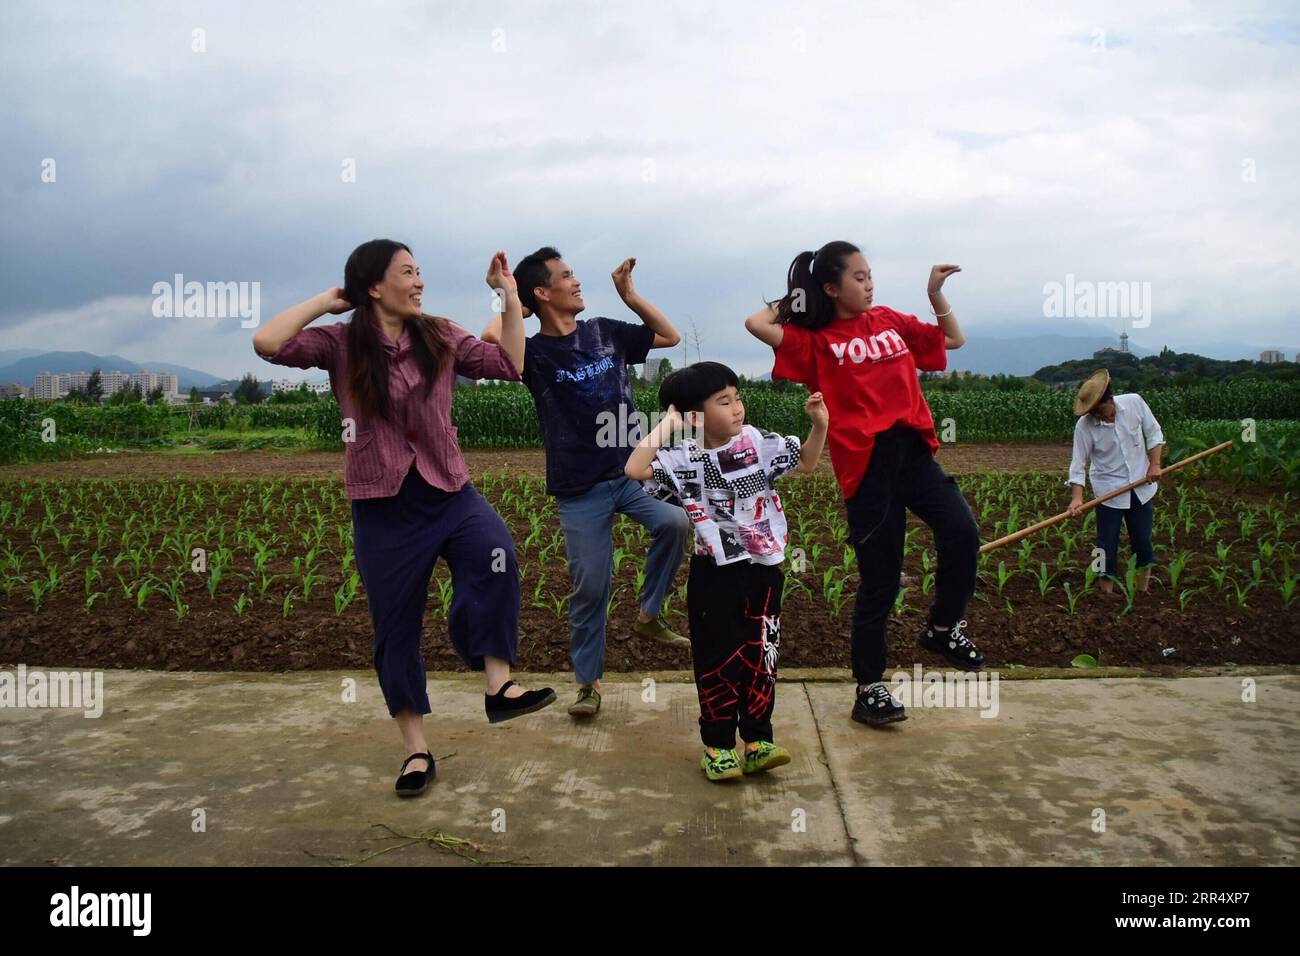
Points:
x=688 y=388
x=805 y=302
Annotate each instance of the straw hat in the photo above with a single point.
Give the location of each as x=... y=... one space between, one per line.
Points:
x=1091 y=391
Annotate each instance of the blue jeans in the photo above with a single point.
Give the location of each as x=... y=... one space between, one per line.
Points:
x=588 y=523
x=1138 y=517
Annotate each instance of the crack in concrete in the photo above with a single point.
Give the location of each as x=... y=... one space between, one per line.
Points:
x=830 y=774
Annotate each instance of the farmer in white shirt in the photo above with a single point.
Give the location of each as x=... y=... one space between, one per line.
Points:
x=1122 y=440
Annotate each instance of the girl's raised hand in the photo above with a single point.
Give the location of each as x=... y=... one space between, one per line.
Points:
x=937 y=276
x=332 y=301
x=816 y=409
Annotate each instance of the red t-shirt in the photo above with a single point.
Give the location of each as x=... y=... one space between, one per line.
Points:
x=865 y=367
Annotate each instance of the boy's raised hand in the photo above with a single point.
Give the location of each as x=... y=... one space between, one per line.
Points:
x=678 y=419
x=622 y=277
x=676 y=425
x=937 y=276
x=816 y=409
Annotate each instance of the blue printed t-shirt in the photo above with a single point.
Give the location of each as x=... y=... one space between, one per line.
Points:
x=578 y=382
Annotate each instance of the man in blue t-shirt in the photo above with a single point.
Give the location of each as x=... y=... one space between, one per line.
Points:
x=576 y=371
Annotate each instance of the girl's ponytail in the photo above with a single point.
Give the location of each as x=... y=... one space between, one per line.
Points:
x=805 y=302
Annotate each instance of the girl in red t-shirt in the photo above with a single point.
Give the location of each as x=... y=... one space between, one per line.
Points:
x=864 y=359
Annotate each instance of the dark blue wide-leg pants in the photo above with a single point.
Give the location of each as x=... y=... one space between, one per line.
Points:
x=397 y=541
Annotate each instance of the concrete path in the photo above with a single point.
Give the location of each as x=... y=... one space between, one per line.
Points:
x=254 y=769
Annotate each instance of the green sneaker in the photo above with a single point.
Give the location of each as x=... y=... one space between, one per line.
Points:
x=657 y=630
x=720 y=764
x=765 y=756
x=587 y=704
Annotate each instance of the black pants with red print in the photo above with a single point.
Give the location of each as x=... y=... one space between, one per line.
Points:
x=735 y=619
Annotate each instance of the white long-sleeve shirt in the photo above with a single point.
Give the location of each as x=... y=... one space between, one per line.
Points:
x=1118 y=452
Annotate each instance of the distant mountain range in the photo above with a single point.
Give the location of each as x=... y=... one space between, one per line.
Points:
x=24 y=364
x=1025 y=355
x=1023 y=347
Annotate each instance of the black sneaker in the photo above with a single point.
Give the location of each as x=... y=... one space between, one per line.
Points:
x=499 y=707
x=876 y=705
x=953 y=644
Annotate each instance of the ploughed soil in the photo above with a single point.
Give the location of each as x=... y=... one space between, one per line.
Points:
x=312 y=637
x=284 y=501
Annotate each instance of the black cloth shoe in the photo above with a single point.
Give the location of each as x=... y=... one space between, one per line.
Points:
x=499 y=707
x=412 y=784
x=876 y=705
x=953 y=644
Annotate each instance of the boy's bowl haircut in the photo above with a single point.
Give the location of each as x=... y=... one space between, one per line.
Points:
x=690 y=387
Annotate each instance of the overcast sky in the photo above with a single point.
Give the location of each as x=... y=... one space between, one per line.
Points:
x=713 y=141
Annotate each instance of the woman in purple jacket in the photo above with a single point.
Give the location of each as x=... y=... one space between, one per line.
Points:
x=392 y=369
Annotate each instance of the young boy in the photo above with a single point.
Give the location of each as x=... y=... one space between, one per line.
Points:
x=725 y=482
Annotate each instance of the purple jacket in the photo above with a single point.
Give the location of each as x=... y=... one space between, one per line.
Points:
x=376 y=462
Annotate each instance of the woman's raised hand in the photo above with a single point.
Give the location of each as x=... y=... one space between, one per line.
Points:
x=332 y=301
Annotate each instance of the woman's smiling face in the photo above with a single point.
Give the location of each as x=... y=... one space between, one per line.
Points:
x=400 y=293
